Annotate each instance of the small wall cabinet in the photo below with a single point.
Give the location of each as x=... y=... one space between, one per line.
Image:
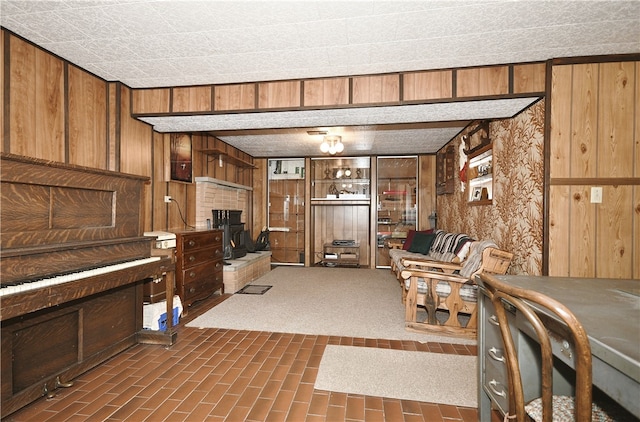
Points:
x=480 y=175
x=445 y=170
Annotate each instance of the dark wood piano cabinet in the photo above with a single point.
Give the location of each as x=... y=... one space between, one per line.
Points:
x=198 y=265
x=59 y=218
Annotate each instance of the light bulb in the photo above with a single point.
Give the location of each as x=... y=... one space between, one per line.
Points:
x=339 y=146
x=324 y=147
x=332 y=149
x=347 y=172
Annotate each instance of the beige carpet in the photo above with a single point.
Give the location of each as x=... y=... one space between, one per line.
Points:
x=352 y=302
x=400 y=374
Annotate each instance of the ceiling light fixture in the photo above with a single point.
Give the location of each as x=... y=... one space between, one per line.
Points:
x=332 y=144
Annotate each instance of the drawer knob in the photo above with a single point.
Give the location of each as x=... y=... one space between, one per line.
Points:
x=218 y=238
x=494 y=320
x=191 y=290
x=192 y=274
x=492 y=387
x=218 y=265
x=496 y=354
x=192 y=243
x=192 y=258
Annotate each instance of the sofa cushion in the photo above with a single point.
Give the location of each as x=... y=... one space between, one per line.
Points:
x=410 y=235
x=397 y=255
x=462 y=250
x=421 y=242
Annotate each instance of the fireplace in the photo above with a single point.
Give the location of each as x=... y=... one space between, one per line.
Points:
x=234 y=238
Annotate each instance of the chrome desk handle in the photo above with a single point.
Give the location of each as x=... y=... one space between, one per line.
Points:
x=496 y=354
x=492 y=385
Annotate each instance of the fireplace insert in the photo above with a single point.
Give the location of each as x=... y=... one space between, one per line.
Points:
x=233 y=228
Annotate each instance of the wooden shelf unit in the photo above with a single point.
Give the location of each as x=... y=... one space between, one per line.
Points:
x=215 y=152
x=346 y=255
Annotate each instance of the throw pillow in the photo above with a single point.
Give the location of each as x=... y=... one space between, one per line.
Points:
x=462 y=250
x=409 y=239
x=421 y=242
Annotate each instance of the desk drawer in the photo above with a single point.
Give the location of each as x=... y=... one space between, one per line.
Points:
x=496 y=384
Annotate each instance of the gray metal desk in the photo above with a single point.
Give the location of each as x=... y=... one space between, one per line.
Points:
x=609 y=310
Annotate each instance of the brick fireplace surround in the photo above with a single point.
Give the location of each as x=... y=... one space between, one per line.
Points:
x=218 y=194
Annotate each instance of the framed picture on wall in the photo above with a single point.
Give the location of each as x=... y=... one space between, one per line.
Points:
x=181 y=162
x=476 y=194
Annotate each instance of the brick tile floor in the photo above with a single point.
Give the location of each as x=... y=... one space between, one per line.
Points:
x=230 y=375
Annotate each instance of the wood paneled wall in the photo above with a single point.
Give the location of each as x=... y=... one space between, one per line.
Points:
x=56 y=111
x=341 y=222
x=594 y=141
x=391 y=89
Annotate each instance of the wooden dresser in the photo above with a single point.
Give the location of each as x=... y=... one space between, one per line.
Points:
x=198 y=265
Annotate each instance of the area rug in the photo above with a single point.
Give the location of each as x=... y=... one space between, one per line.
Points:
x=351 y=302
x=421 y=376
x=254 y=289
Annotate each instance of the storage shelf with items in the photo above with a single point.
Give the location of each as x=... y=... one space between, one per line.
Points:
x=340 y=205
x=480 y=176
x=396 y=202
x=286 y=211
x=338 y=255
x=341 y=179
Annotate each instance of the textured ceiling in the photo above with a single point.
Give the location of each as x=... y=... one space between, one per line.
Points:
x=148 y=43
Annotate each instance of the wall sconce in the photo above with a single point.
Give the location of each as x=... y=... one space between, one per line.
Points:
x=332 y=144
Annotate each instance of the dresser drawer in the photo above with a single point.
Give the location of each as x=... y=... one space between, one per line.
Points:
x=202 y=287
x=200 y=271
x=194 y=258
x=200 y=240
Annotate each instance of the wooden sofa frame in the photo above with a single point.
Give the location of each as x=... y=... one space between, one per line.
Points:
x=434 y=273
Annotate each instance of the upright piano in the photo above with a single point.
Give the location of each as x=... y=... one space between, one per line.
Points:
x=72 y=262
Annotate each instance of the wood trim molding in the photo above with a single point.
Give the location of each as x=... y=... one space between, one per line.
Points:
x=595 y=181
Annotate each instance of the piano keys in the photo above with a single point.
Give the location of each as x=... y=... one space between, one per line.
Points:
x=56 y=280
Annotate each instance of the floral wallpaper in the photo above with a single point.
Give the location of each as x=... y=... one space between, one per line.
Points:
x=514 y=218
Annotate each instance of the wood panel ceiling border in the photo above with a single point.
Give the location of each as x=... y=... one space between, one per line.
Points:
x=401 y=88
